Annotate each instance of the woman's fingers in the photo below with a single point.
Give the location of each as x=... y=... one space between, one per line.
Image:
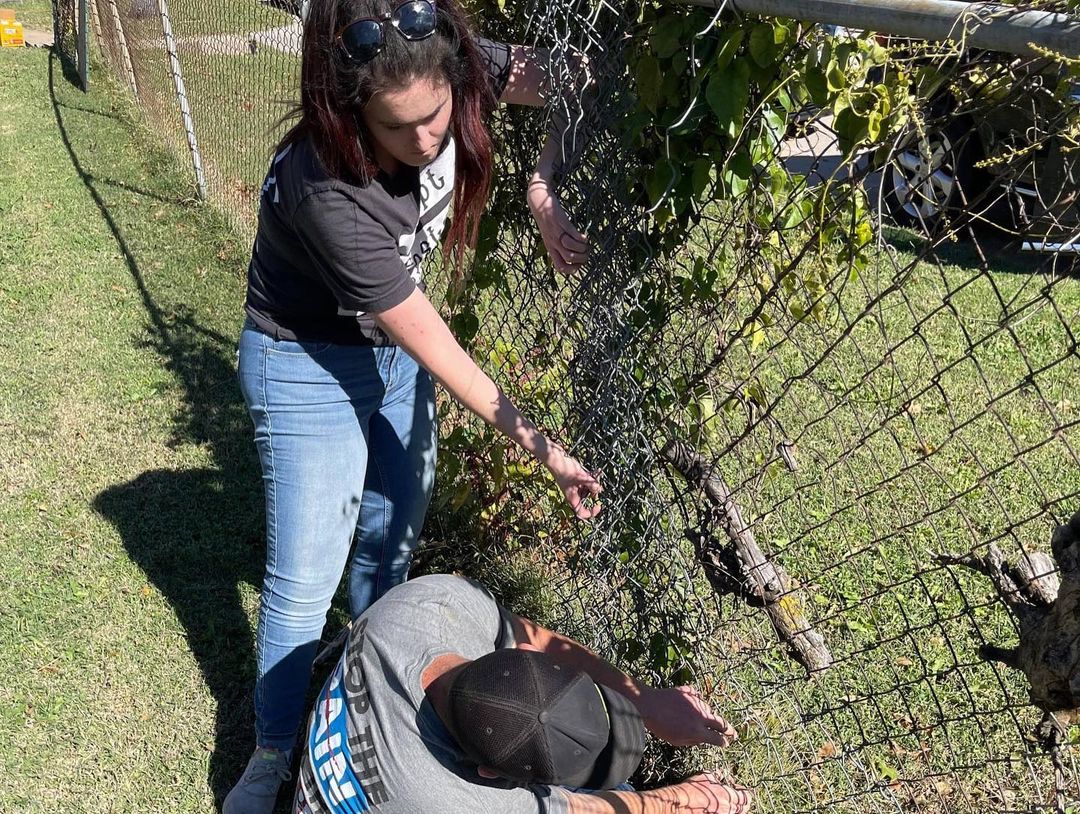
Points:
x=574 y=253
x=583 y=502
x=572 y=245
x=572 y=240
x=567 y=246
x=587 y=512
x=580 y=487
x=567 y=252
x=577 y=500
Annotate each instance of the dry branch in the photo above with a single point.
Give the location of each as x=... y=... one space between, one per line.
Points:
x=1048 y=612
x=759 y=578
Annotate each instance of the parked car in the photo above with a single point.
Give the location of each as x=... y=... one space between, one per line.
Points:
x=990 y=152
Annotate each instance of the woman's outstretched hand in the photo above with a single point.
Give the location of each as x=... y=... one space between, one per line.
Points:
x=578 y=485
x=567 y=247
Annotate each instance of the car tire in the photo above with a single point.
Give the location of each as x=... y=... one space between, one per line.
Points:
x=931 y=183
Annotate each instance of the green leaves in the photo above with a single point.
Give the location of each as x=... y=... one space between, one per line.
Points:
x=728 y=93
x=737 y=174
x=767 y=41
x=701 y=176
x=649 y=81
x=659 y=180
x=835 y=78
x=716 y=110
x=667 y=36
x=861 y=114
x=729 y=45
x=465 y=324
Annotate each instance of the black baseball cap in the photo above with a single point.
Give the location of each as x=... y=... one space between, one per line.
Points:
x=528 y=718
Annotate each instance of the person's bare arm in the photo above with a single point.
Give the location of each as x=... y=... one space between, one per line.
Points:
x=528 y=84
x=416 y=326
x=677 y=715
x=701 y=794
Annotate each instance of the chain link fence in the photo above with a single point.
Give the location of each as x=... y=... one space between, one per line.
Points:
x=833 y=402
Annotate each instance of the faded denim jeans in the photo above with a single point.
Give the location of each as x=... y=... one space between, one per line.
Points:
x=346 y=437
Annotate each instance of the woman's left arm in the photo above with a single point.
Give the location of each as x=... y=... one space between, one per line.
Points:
x=415 y=325
x=527 y=84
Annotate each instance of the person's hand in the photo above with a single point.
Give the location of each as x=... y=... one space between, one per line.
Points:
x=576 y=482
x=681 y=717
x=708 y=794
x=567 y=247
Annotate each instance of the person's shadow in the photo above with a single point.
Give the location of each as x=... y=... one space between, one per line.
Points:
x=196 y=533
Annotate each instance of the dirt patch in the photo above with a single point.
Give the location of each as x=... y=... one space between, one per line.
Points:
x=37 y=37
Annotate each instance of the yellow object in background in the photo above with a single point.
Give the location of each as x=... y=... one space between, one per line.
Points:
x=11 y=30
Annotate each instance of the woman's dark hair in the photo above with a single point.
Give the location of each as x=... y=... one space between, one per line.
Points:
x=334 y=91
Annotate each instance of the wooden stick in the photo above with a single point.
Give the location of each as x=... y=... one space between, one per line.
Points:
x=764 y=580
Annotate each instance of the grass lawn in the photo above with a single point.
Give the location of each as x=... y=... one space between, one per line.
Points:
x=941 y=422
x=237 y=102
x=32 y=13
x=130 y=519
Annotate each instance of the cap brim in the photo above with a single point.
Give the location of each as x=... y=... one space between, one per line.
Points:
x=626 y=745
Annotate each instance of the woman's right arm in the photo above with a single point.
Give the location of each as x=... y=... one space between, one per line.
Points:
x=416 y=326
x=701 y=794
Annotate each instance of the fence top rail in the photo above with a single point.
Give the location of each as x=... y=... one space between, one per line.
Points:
x=983 y=25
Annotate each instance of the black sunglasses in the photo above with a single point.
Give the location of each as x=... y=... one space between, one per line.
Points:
x=362 y=39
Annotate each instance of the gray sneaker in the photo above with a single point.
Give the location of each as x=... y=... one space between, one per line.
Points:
x=256 y=791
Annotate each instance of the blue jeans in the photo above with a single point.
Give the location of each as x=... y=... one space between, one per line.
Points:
x=346 y=436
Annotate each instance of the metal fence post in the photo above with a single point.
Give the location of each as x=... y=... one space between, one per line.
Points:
x=125 y=55
x=993 y=26
x=181 y=97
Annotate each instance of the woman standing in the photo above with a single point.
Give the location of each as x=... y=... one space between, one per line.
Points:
x=340 y=344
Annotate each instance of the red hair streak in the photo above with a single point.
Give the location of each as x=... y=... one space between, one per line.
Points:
x=333 y=91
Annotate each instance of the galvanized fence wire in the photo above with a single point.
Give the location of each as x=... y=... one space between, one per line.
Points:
x=215 y=80
x=858 y=420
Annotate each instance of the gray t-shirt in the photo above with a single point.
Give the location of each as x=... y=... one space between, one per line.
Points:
x=328 y=253
x=376 y=744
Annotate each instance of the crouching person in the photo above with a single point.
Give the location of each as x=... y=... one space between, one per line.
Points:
x=445 y=703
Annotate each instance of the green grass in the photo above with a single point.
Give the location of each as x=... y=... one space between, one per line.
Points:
x=130 y=518
x=32 y=13
x=929 y=429
x=195 y=18
x=237 y=103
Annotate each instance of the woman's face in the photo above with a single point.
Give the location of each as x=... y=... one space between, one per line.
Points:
x=408 y=124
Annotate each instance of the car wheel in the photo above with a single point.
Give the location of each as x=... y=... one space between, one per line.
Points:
x=931 y=181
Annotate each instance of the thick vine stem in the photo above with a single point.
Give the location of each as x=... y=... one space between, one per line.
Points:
x=997 y=570
x=764 y=581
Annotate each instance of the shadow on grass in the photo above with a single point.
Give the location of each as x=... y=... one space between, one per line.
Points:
x=197 y=534
x=981 y=250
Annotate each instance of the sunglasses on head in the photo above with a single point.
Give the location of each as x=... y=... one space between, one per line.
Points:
x=362 y=39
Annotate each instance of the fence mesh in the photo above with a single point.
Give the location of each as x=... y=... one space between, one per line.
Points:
x=833 y=459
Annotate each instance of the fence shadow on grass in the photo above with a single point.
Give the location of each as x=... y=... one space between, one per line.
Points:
x=196 y=533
